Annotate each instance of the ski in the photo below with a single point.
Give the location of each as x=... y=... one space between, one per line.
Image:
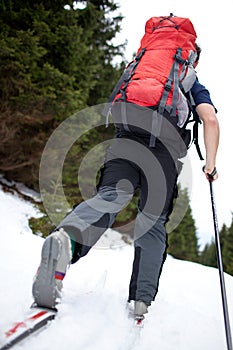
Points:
x=139 y=322
x=36 y=319
x=133 y=336
x=135 y=329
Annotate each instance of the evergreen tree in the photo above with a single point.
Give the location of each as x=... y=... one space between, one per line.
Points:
x=182 y=241
x=227 y=249
x=54 y=60
x=208 y=255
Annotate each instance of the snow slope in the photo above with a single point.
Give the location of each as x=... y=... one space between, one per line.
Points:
x=187 y=313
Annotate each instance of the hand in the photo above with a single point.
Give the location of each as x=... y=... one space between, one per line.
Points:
x=211 y=174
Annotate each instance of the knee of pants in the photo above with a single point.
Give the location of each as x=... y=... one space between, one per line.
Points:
x=150 y=228
x=116 y=198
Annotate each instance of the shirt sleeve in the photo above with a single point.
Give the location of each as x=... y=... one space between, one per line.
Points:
x=200 y=94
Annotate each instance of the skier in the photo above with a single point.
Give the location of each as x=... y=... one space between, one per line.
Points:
x=120 y=177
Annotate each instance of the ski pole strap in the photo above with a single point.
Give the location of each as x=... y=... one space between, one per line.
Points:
x=212 y=174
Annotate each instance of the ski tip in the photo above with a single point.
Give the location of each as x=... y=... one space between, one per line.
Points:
x=139 y=322
x=35 y=319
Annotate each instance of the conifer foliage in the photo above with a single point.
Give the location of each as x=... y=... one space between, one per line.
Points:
x=182 y=241
x=54 y=59
x=208 y=255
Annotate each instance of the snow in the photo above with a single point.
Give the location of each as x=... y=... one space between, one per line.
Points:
x=187 y=313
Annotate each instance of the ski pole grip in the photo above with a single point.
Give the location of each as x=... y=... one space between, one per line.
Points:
x=210 y=175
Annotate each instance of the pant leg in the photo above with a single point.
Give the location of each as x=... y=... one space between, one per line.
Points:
x=151 y=244
x=149 y=256
x=90 y=219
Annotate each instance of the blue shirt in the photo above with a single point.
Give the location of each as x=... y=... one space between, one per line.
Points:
x=200 y=94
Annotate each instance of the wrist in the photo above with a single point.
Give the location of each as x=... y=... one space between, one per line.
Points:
x=210 y=171
x=209 y=168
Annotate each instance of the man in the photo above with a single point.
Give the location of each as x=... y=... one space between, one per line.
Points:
x=139 y=158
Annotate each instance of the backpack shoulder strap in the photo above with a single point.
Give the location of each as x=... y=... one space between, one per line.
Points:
x=124 y=79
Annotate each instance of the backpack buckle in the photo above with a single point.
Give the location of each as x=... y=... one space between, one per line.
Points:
x=178 y=56
x=179 y=59
x=168 y=85
x=141 y=53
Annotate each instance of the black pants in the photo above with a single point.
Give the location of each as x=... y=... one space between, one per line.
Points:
x=130 y=165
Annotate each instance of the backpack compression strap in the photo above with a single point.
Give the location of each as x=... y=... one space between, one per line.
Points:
x=195 y=134
x=196 y=120
x=173 y=78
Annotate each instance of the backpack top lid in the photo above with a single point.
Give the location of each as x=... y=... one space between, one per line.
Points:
x=169 y=31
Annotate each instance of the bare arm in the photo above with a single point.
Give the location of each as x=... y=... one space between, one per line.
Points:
x=211 y=135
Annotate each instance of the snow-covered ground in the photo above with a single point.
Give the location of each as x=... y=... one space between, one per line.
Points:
x=187 y=313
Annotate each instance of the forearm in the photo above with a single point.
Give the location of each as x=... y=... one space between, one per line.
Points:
x=211 y=139
x=211 y=134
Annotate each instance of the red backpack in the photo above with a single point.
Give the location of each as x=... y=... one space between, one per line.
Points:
x=163 y=69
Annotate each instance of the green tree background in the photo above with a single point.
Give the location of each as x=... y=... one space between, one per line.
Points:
x=208 y=255
x=182 y=241
x=53 y=62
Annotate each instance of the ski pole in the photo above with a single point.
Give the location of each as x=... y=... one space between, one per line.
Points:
x=220 y=267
